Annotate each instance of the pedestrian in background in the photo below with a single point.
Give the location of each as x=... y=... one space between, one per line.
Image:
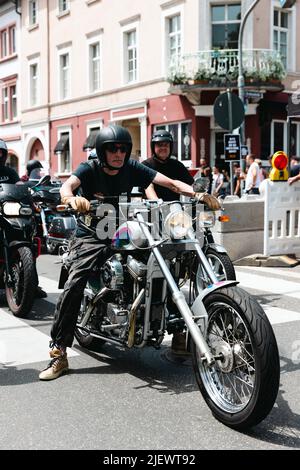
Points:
x=253 y=176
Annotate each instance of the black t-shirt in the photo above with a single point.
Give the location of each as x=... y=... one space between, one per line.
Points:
x=172 y=169
x=95 y=180
x=295 y=170
x=8 y=175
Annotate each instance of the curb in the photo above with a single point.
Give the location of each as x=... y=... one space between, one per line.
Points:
x=275 y=261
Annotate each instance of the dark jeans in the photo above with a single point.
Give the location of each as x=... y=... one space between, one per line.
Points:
x=85 y=253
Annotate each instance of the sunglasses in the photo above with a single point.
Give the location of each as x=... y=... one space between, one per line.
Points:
x=162 y=144
x=113 y=148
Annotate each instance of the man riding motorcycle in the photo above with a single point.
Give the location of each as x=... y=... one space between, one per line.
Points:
x=10 y=176
x=7 y=175
x=162 y=161
x=113 y=174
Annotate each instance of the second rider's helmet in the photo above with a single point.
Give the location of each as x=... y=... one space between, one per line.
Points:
x=112 y=135
x=161 y=136
x=32 y=165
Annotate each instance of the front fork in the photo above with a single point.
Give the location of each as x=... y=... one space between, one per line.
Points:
x=179 y=298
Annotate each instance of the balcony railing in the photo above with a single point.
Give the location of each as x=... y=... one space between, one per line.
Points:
x=220 y=67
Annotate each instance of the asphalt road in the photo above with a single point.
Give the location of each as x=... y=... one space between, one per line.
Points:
x=137 y=399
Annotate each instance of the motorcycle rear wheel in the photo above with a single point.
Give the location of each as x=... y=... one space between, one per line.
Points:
x=241 y=388
x=21 y=296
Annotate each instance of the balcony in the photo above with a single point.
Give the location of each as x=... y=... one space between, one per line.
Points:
x=218 y=70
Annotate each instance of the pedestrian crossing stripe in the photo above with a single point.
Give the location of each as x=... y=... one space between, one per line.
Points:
x=21 y=343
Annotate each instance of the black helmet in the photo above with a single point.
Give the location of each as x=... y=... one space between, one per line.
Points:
x=32 y=165
x=112 y=134
x=3 y=157
x=161 y=136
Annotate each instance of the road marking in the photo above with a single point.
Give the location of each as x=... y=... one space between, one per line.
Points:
x=21 y=343
x=269 y=284
x=258 y=270
x=50 y=286
x=278 y=315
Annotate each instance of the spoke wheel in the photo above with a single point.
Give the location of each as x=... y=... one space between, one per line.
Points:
x=242 y=385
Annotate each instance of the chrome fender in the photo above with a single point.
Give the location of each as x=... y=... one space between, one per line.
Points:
x=198 y=309
x=216 y=247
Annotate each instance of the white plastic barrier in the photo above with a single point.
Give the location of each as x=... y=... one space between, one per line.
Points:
x=281 y=218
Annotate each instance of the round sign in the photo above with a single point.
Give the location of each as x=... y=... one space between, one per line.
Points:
x=221 y=111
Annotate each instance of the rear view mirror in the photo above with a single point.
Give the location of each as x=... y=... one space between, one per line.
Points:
x=201 y=184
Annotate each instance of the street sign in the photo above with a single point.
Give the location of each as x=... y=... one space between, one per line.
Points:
x=221 y=111
x=232 y=147
x=244 y=151
x=258 y=95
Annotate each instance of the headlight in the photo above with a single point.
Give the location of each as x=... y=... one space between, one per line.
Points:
x=11 y=208
x=207 y=219
x=177 y=224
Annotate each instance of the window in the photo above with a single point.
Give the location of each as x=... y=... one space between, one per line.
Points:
x=295 y=141
x=174 y=39
x=90 y=141
x=94 y=66
x=4 y=45
x=280 y=34
x=12 y=40
x=33 y=84
x=131 y=56
x=225 y=25
x=8 y=41
x=181 y=133
x=64 y=62
x=32 y=12
x=62 y=150
x=63 y=5
x=278 y=136
x=9 y=102
x=5 y=114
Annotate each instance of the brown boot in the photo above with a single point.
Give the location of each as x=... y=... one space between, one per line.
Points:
x=56 y=367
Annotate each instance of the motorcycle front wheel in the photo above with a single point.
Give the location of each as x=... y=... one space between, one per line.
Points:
x=20 y=296
x=242 y=385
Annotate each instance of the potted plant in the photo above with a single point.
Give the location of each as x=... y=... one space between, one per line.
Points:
x=178 y=77
x=202 y=75
x=275 y=70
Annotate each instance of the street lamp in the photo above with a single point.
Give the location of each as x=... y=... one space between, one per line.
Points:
x=241 y=80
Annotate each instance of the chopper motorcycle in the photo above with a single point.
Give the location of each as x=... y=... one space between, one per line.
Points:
x=234 y=350
x=18 y=248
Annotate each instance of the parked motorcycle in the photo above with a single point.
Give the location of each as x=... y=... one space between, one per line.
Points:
x=55 y=227
x=234 y=350
x=18 y=247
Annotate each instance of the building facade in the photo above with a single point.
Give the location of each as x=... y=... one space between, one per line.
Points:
x=10 y=115
x=148 y=65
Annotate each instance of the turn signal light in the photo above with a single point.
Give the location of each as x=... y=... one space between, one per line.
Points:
x=224 y=218
x=61 y=207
